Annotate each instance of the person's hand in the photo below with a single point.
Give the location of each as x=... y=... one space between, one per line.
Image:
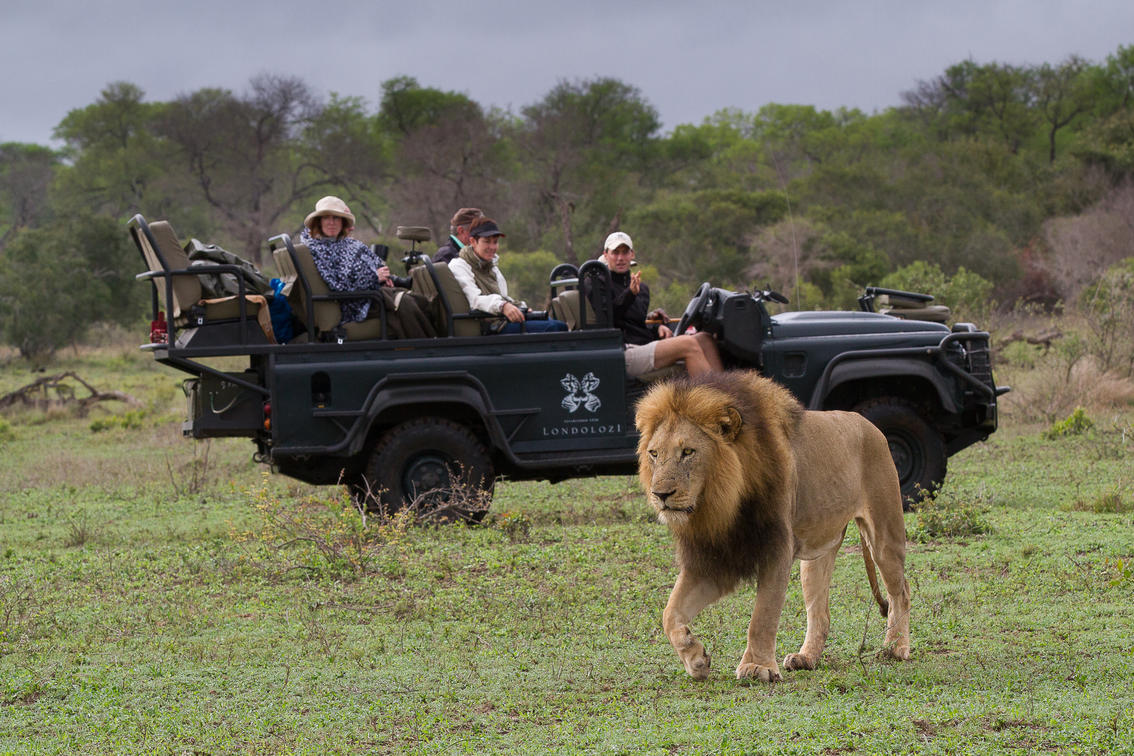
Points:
x=384 y=276
x=659 y=314
x=635 y=283
x=664 y=332
x=512 y=312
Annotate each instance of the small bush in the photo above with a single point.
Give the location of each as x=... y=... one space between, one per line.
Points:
x=1075 y=424
x=130 y=420
x=1123 y=571
x=515 y=525
x=946 y=516
x=79 y=531
x=334 y=535
x=1108 y=502
x=7 y=433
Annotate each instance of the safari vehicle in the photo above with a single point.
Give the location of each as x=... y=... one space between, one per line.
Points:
x=399 y=419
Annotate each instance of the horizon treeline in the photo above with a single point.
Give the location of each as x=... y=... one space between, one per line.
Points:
x=990 y=182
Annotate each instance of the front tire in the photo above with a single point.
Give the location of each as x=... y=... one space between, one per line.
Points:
x=918 y=450
x=436 y=466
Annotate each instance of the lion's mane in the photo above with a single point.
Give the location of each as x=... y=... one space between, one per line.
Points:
x=741 y=520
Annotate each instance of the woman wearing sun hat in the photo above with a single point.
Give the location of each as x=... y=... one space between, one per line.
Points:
x=346 y=264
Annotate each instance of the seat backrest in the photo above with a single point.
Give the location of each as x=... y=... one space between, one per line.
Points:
x=327 y=313
x=186 y=289
x=284 y=266
x=565 y=307
x=451 y=292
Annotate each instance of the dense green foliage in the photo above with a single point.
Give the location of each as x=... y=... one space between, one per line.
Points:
x=984 y=171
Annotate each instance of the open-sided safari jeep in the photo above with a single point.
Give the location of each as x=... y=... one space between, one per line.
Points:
x=440 y=419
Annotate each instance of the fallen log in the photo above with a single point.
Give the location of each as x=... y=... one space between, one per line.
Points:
x=52 y=391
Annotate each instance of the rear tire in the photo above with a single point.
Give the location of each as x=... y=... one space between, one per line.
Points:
x=436 y=466
x=918 y=450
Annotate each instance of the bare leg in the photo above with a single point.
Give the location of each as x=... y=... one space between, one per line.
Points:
x=698 y=350
x=709 y=348
x=815 y=575
x=759 y=659
x=689 y=596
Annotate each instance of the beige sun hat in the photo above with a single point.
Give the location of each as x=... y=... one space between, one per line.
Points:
x=330 y=206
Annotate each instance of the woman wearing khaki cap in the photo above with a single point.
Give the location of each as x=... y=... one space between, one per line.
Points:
x=484 y=285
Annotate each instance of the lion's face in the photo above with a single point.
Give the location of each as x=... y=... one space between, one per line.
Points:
x=677 y=458
x=688 y=457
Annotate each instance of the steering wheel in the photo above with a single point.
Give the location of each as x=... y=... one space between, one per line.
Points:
x=694 y=308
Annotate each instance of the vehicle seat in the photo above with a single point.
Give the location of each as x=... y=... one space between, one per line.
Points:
x=565 y=307
x=166 y=259
x=313 y=302
x=436 y=283
x=911 y=309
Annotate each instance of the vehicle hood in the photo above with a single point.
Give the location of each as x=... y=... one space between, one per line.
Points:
x=831 y=323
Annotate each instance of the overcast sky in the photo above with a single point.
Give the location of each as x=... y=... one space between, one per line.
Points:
x=689 y=58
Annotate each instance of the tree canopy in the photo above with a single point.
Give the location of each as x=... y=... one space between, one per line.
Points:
x=970 y=176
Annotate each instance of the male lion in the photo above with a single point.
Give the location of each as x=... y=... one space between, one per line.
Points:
x=748 y=482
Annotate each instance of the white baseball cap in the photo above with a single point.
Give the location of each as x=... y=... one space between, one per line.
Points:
x=617 y=239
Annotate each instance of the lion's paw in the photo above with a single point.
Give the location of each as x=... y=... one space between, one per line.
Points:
x=698 y=663
x=799 y=661
x=748 y=670
x=901 y=653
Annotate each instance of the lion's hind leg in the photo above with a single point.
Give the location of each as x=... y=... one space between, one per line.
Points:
x=888 y=547
x=815 y=576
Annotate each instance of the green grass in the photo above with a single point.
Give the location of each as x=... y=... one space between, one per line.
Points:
x=133 y=619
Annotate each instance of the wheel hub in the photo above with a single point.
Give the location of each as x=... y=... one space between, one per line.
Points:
x=903 y=457
x=427 y=472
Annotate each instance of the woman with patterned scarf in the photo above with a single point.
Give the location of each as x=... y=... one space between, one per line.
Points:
x=485 y=288
x=345 y=264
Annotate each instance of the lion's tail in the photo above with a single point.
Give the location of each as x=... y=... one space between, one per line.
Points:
x=872 y=576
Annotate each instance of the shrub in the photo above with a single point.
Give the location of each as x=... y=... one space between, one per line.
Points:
x=941 y=516
x=515 y=525
x=334 y=535
x=1109 y=306
x=1108 y=502
x=967 y=294
x=129 y=420
x=1075 y=424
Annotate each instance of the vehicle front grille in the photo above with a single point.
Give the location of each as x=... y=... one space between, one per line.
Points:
x=979 y=359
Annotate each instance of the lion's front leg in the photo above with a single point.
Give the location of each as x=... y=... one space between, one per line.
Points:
x=759 y=659
x=689 y=596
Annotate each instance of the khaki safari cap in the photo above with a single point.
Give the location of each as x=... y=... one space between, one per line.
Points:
x=330 y=206
x=616 y=240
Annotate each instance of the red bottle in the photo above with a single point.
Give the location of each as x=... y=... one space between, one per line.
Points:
x=159 y=331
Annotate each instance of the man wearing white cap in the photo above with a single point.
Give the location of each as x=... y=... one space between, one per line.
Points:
x=650 y=347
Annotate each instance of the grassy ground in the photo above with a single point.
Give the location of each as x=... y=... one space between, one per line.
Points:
x=145 y=607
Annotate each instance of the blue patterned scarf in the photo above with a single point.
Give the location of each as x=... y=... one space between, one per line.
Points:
x=346 y=265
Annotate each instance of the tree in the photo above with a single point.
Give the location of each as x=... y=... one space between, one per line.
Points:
x=584 y=143
x=406 y=106
x=56 y=282
x=970 y=99
x=241 y=153
x=1061 y=96
x=26 y=171
x=119 y=164
x=350 y=149
x=449 y=153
